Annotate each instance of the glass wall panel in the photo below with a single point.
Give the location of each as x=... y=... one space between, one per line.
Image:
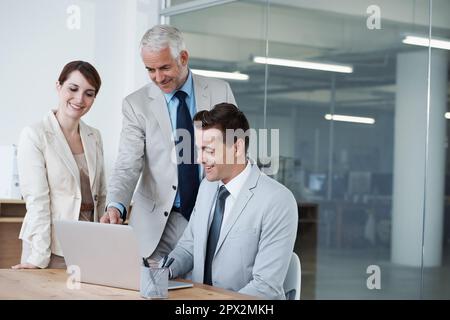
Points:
x=350 y=169
x=360 y=185
x=436 y=273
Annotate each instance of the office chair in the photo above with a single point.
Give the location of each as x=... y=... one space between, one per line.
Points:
x=292 y=282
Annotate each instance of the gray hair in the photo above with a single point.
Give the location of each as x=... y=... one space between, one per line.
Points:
x=162 y=36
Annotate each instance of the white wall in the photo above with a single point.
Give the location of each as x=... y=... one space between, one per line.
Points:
x=36 y=43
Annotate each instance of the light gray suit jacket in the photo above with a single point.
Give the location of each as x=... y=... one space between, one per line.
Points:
x=255 y=245
x=146 y=151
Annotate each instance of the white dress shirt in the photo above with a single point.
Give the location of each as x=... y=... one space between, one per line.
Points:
x=234 y=187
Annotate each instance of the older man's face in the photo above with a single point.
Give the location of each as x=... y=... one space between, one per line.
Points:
x=166 y=72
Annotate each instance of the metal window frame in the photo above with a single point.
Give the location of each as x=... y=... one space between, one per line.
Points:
x=167 y=10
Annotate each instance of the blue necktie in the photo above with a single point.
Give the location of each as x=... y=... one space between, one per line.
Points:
x=214 y=232
x=188 y=174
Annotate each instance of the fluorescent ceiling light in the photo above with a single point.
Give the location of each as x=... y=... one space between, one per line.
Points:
x=425 y=42
x=222 y=75
x=305 y=64
x=339 y=117
x=447 y=115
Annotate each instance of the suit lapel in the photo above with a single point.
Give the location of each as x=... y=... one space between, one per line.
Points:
x=60 y=144
x=206 y=206
x=90 y=151
x=240 y=204
x=201 y=93
x=202 y=99
x=158 y=106
x=205 y=220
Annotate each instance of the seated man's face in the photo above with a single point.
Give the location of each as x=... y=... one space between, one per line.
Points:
x=216 y=157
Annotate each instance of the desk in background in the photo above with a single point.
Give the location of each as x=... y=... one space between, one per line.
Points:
x=306 y=246
x=47 y=284
x=347 y=220
x=11 y=217
x=12 y=208
x=10 y=245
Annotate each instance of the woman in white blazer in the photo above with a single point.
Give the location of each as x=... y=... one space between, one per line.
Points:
x=61 y=169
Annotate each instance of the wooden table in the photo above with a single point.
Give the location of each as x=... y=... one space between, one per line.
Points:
x=45 y=284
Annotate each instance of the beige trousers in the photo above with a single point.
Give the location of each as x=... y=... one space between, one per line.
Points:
x=172 y=233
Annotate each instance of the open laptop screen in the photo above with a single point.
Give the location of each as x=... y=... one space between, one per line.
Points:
x=106 y=254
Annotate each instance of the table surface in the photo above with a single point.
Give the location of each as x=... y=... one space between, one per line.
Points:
x=51 y=284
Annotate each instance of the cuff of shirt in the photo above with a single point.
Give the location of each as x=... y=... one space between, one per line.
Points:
x=120 y=207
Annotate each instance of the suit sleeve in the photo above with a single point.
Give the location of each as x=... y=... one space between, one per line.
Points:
x=102 y=181
x=276 y=244
x=36 y=229
x=130 y=159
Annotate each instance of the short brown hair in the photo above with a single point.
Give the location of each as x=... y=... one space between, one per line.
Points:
x=224 y=116
x=86 y=69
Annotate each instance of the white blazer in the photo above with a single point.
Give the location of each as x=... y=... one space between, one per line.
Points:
x=50 y=183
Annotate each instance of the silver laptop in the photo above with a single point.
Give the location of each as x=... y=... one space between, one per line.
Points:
x=107 y=254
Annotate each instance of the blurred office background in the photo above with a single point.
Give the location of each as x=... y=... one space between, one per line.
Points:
x=372 y=194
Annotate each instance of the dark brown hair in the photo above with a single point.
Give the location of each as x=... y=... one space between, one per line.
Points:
x=224 y=116
x=86 y=69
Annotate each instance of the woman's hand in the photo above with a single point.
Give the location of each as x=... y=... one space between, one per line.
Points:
x=24 y=266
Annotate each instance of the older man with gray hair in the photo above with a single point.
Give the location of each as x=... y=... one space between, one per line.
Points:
x=152 y=117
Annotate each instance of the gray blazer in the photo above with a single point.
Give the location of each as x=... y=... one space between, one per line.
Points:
x=254 y=247
x=146 y=151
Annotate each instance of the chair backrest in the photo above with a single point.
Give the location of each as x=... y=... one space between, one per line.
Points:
x=293 y=280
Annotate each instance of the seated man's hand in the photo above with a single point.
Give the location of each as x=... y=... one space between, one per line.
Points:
x=112 y=215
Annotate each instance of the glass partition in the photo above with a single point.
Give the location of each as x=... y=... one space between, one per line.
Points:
x=355 y=132
x=436 y=258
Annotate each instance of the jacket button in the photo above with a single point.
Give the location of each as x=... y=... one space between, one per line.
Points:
x=174 y=187
x=166 y=213
x=95 y=197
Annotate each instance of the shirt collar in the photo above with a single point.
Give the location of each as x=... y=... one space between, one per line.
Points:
x=186 y=87
x=235 y=185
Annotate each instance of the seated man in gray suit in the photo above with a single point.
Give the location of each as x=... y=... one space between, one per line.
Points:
x=243 y=227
